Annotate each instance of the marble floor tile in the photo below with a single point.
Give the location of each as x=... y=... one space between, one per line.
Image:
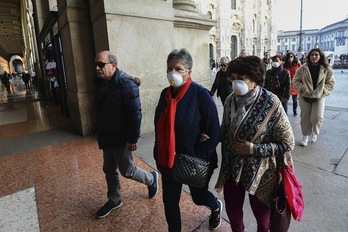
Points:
x=19 y=212
x=70 y=187
x=52 y=180
x=16 y=173
x=9 y=116
x=22 y=113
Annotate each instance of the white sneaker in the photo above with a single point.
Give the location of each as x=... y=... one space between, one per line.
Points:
x=304 y=141
x=314 y=138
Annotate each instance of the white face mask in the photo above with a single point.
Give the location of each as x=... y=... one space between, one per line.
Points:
x=175 y=79
x=275 y=64
x=240 y=87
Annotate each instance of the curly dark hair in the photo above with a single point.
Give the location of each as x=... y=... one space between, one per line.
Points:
x=322 y=61
x=250 y=66
x=274 y=58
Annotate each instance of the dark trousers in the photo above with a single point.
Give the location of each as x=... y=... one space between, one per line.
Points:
x=121 y=160
x=234 y=195
x=285 y=106
x=294 y=103
x=171 y=197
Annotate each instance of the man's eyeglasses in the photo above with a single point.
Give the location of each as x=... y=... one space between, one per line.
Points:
x=102 y=64
x=223 y=65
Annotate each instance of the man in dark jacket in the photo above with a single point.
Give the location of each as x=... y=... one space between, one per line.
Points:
x=5 y=80
x=221 y=84
x=26 y=80
x=118 y=127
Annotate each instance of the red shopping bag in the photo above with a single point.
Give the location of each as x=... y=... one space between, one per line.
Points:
x=293 y=191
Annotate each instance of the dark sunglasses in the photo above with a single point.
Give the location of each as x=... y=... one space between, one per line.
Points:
x=101 y=64
x=291 y=56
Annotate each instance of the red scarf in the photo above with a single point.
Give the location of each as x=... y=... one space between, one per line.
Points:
x=165 y=134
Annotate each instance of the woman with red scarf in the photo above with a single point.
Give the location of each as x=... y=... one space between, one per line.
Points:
x=291 y=64
x=184 y=113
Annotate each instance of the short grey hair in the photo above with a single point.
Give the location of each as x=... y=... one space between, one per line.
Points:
x=112 y=58
x=224 y=60
x=183 y=56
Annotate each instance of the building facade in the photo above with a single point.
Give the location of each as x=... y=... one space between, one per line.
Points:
x=59 y=39
x=240 y=25
x=332 y=39
x=290 y=40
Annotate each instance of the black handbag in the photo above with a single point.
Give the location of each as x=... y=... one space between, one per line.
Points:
x=280 y=211
x=190 y=170
x=309 y=99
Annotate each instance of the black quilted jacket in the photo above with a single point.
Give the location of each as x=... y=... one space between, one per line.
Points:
x=118 y=111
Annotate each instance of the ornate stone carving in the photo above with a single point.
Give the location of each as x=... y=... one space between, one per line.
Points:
x=236 y=26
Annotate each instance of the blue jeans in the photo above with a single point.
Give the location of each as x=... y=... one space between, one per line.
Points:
x=294 y=103
x=285 y=106
x=171 y=197
x=120 y=159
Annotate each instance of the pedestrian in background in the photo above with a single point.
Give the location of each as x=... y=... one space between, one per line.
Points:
x=292 y=64
x=303 y=58
x=221 y=85
x=184 y=113
x=118 y=127
x=243 y=53
x=5 y=80
x=26 y=79
x=255 y=130
x=277 y=81
x=313 y=81
x=267 y=61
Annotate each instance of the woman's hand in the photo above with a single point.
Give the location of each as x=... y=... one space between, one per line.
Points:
x=243 y=147
x=284 y=100
x=204 y=137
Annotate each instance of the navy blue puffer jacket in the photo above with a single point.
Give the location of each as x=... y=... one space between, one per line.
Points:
x=118 y=111
x=196 y=114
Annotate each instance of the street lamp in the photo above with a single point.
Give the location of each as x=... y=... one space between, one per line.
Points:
x=300 y=47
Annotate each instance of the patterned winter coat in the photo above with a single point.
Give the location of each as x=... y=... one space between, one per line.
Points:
x=267 y=126
x=279 y=84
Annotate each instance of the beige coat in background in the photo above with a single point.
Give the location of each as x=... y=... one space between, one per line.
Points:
x=304 y=85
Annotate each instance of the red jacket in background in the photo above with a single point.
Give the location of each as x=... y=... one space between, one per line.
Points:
x=292 y=70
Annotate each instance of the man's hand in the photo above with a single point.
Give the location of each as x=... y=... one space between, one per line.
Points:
x=131 y=146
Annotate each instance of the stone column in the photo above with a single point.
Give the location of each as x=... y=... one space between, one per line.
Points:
x=78 y=51
x=186 y=5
